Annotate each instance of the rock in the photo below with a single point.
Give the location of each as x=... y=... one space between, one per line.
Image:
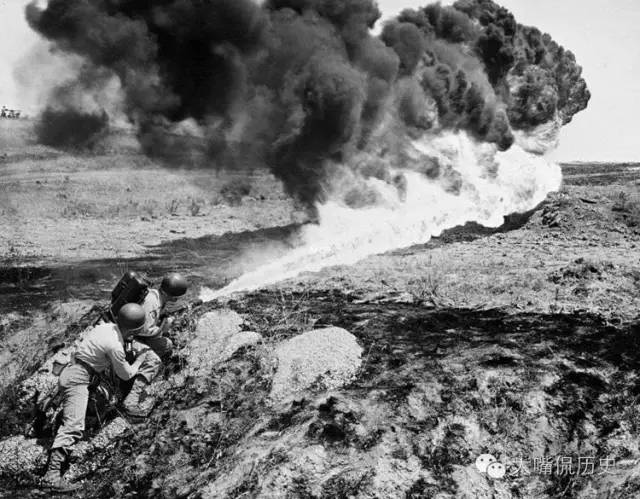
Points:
x=21 y=455
x=27 y=456
x=81 y=464
x=106 y=436
x=329 y=357
x=217 y=338
x=237 y=341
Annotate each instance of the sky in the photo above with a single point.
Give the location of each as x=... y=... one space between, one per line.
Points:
x=604 y=35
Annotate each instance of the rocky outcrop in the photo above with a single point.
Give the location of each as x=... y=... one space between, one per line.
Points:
x=307 y=416
x=218 y=336
x=20 y=456
x=328 y=358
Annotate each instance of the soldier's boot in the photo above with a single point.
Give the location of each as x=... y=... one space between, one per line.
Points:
x=52 y=479
x=138 y=403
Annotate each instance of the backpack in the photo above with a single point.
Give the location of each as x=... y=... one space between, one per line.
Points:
x=132 y=288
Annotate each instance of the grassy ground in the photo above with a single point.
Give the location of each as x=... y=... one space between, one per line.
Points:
x=521 y=341
x=114 y=202
x=580 y=251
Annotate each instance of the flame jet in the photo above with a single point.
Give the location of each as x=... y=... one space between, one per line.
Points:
x=446 y=100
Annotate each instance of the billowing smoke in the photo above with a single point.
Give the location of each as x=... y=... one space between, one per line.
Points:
x=301 y=85
x=387 y=139
x=474 y=182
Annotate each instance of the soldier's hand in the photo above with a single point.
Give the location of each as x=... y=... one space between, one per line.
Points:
x=166 y=325
x=141 y=351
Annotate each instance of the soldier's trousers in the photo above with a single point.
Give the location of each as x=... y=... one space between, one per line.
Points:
x=160 y=346
x=74 y=385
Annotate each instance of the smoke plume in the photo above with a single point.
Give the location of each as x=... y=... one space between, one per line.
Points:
x=302 y=85
x=384 y=138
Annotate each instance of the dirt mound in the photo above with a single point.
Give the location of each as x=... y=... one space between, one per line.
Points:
x=573 y=210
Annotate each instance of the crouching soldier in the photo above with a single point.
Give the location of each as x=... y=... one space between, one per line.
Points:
x=101 y=348
x=138 y=402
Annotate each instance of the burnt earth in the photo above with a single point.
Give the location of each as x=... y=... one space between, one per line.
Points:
x=437 y=386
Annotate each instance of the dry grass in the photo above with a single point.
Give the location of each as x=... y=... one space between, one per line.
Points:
x=536 y=268
x=107 y=187
x=627 y=208
x=115 y=181
x=114 y=201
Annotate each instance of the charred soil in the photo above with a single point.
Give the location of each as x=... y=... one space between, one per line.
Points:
x=521 y=342
x=437 y=387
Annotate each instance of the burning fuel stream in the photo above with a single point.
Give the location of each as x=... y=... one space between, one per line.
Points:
x=386 y=140
x=346 y=235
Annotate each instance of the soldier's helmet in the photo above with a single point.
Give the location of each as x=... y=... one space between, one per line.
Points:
x=131 y=317
x=174 y=285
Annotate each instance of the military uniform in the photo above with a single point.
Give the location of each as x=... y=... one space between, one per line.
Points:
x=151 y=337
x=139 y=402
x=101 y=348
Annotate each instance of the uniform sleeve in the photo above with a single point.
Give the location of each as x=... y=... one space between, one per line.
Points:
x=118 y=360
x=152 y=309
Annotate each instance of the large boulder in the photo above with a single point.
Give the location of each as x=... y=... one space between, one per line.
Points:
x=20 y=455
x=25 y=456
x=328 y=358
x=218 y=336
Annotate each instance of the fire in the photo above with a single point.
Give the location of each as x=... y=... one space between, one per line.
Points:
x=492 y=184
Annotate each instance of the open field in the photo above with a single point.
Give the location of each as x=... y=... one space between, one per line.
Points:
x=519 y=341
x=112 y=204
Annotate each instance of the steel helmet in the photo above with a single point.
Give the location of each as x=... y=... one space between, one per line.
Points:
x=174 y=285
x=131 y=317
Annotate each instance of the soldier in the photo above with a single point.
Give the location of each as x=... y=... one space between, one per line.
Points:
x=138 y=403
x=101 y=348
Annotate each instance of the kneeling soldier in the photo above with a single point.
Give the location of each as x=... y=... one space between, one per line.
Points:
x=138 y=403
x=101 y=348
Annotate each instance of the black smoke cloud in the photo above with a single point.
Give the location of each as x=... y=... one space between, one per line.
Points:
x=302 y=84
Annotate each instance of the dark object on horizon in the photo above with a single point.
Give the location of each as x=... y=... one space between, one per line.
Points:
x=10 y=113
